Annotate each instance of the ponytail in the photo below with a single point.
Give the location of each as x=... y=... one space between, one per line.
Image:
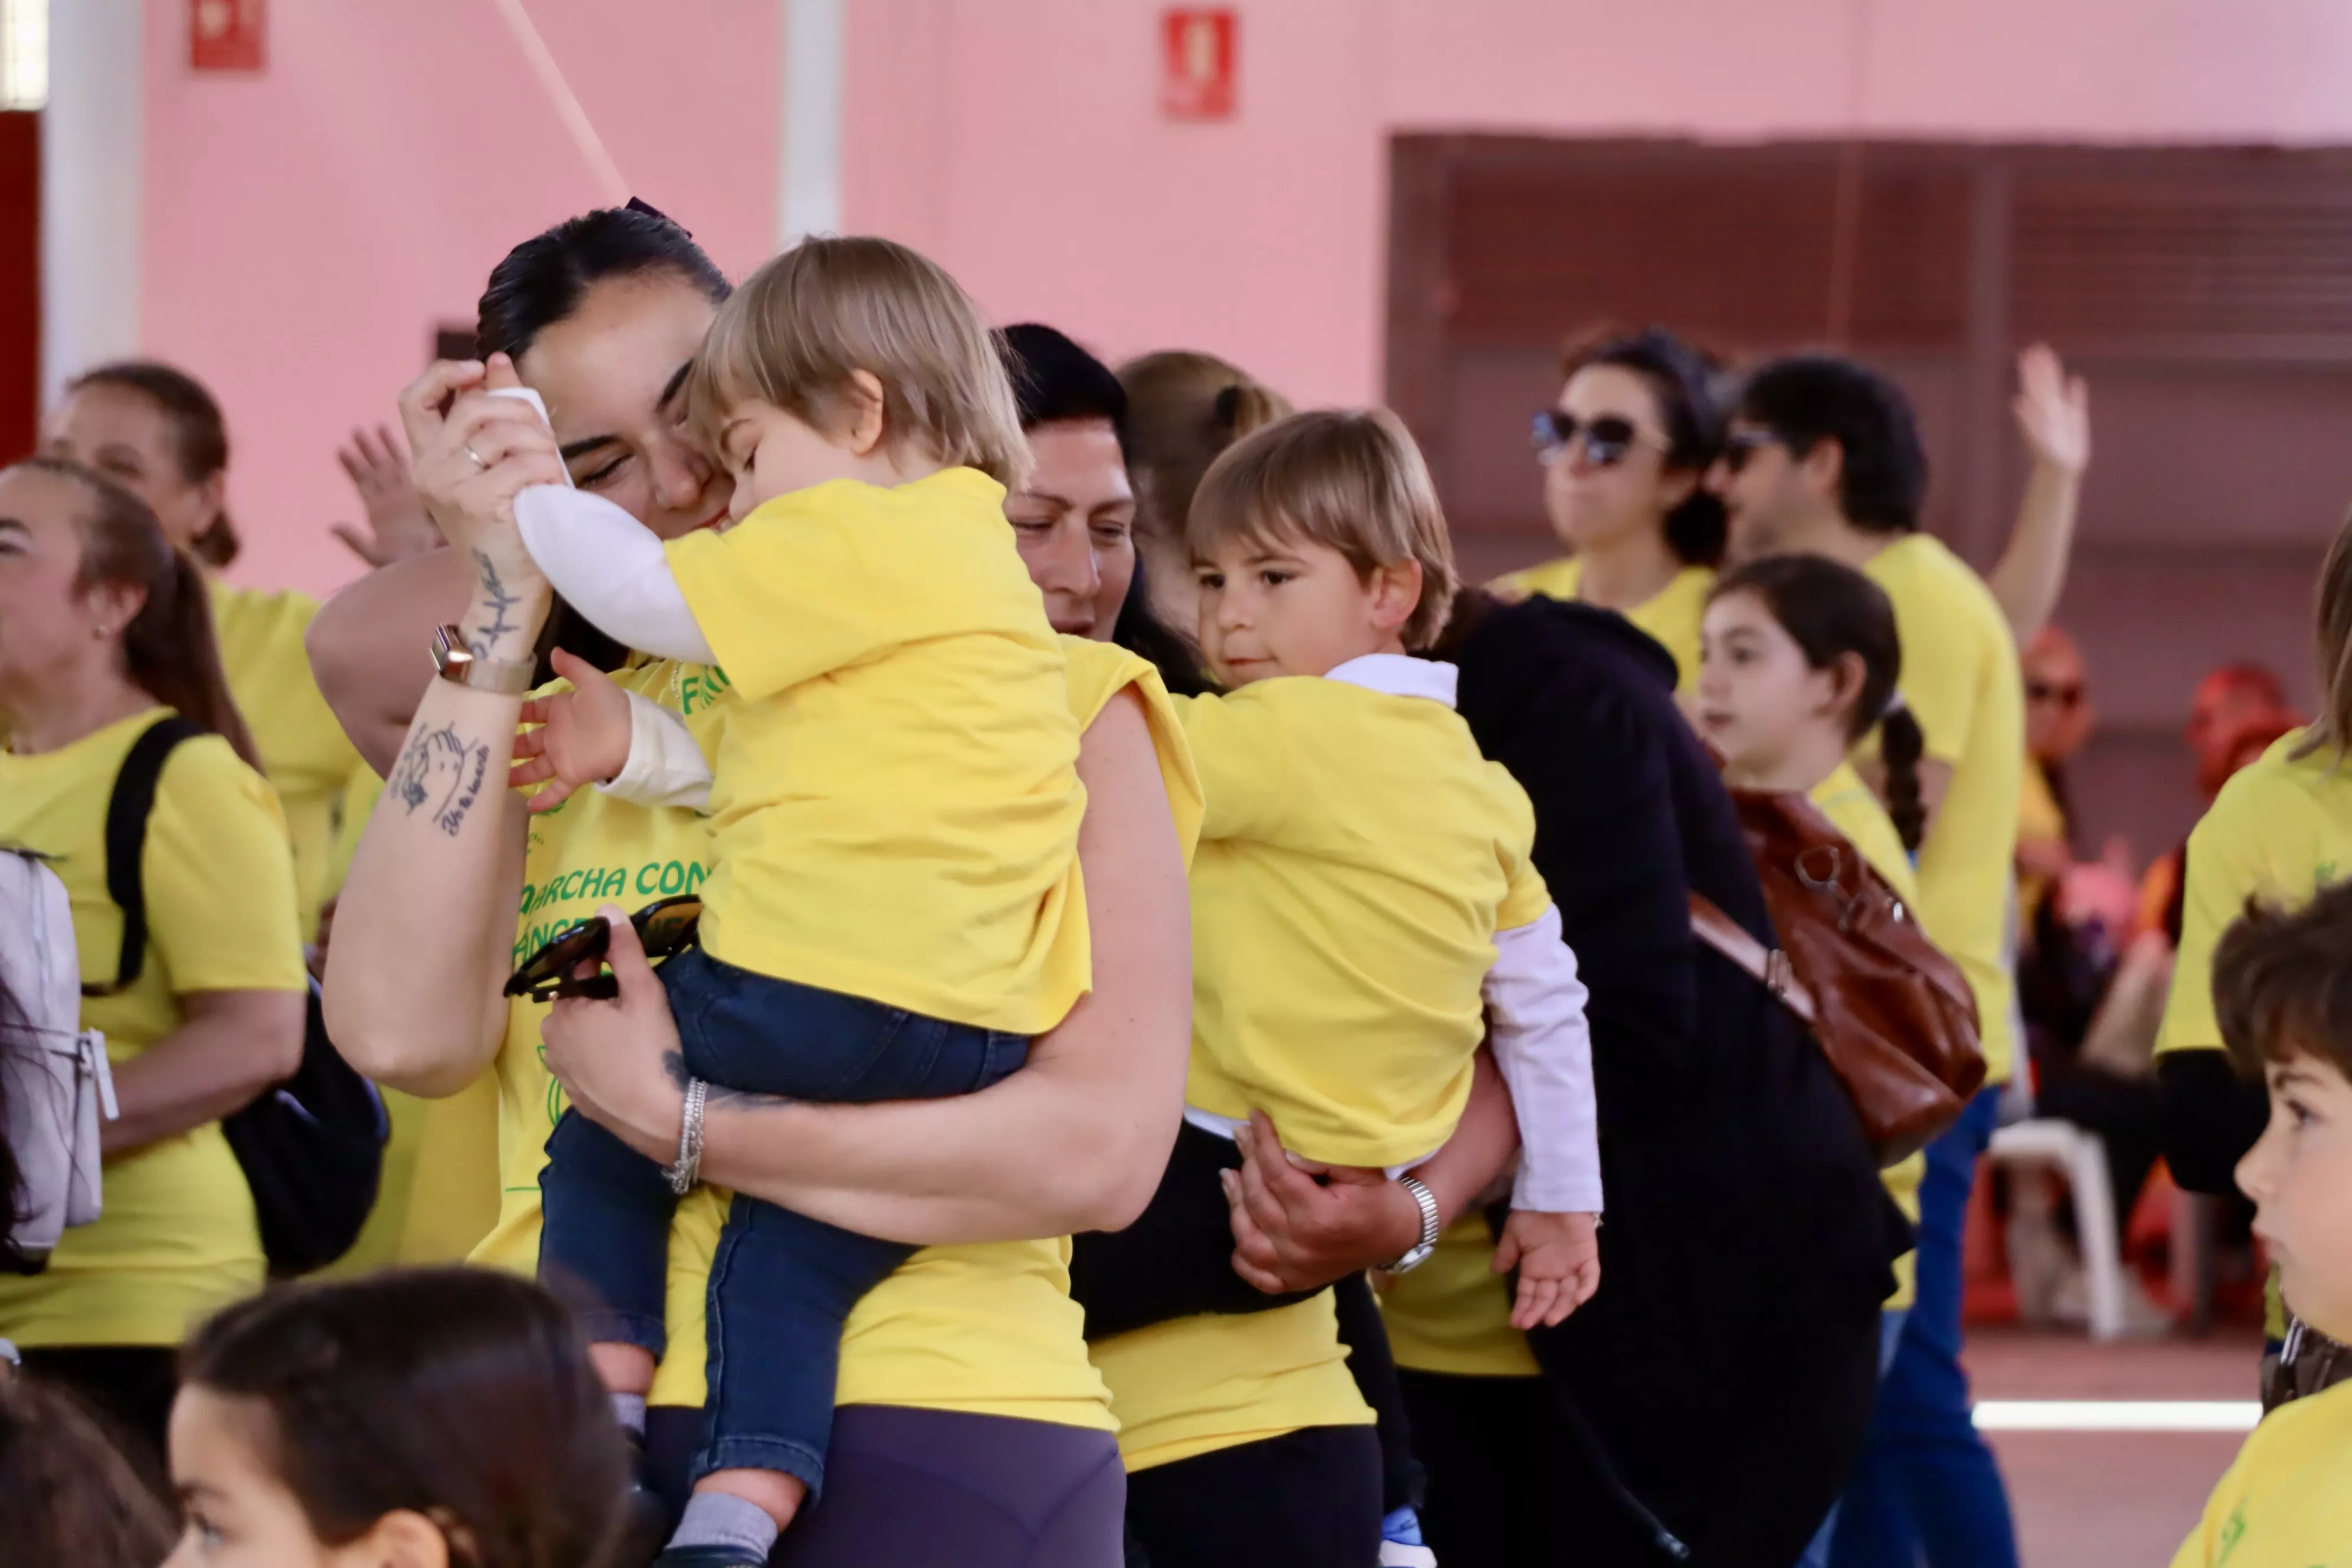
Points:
x=1183 y=410
x=168 y=649
x=1832 y=612
x=1901 y=744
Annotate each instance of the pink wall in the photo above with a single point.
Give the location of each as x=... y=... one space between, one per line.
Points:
x=304 y=229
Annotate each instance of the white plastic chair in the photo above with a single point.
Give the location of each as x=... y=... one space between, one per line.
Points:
x=2083 y=1158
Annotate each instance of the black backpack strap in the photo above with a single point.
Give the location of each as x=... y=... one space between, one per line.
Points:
x=127 y=811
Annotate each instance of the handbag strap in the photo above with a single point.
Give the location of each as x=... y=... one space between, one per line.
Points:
x=127 y=811
x=1769 y=966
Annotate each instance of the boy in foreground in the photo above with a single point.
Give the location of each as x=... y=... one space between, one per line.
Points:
x=2282 y=988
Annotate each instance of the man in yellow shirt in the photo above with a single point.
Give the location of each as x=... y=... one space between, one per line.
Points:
x=2282 y=1007
x=1823 y=457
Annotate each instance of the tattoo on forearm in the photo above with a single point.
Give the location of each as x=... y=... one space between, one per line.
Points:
x=442 y=772
x=497 y=601
x=674 y=1063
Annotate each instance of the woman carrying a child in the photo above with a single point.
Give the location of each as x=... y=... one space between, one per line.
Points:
x=967 y=1409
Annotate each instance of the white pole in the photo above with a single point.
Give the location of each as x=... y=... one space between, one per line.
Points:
x=808 y=165
x=92 y=185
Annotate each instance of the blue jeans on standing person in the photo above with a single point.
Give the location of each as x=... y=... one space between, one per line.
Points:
x=1927 y=1488
x=781 y=1284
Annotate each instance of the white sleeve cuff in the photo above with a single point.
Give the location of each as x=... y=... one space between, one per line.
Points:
x=1544 y=1047
x=665 y=768
x=609 y=566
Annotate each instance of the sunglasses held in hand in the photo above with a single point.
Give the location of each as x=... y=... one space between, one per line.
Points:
x=665 y=929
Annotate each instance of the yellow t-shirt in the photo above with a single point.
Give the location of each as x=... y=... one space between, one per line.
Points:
x=1961 y=682
x=895 y=813
x=1670 y=616
x=2280 y=830
x=988 y=1329
x=1196 y=1385
x=1847 y=802
x=1453 y=1314
x=1358 y=858
x=2037 y=816
x=307 y=758
x=177 y=1239
x=2285 y=1502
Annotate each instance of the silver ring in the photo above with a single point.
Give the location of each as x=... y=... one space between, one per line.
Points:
x=476 y=456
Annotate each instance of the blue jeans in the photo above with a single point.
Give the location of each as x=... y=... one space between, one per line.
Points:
x=1890 y=1336
x=781 y=1284
x=1927 y=1487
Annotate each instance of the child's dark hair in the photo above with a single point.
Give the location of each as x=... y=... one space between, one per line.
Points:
x=66 y=1493
x=1680 y=378
x=1831 y=611
x=462 y=1394
x=1806 y=399
x=199 y=435
x=2282 y=982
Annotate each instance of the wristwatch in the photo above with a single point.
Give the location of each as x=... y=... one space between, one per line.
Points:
x=1417 y=1253
x=453 y=660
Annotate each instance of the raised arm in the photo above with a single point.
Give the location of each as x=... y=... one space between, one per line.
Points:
x=364 y=646
x=426 y=916
x=2053 y=415
x=1075 y=1141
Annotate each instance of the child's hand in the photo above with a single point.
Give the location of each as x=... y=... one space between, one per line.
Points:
x=583 y=736
x=1558 y=1259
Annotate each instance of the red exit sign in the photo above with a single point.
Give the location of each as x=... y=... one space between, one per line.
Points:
x=227 y=35
x=1198 y=56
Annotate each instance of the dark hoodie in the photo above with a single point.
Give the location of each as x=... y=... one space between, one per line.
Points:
x=1726 y=1366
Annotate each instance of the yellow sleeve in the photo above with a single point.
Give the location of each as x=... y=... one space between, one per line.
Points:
x=2249 y=829
x=1526 y=897
x=1248 y=768
x=219 y=877
x=1940 y=676
x=790 y=593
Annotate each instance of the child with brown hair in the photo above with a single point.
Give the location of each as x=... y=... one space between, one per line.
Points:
x=2283 y=991
x=1364 y=907
x=892 y=909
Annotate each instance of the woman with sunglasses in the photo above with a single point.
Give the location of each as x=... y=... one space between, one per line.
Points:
x=1626 y=454
x=969 y=1412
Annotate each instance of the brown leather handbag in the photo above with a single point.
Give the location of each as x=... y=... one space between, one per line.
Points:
x=1893 y=1015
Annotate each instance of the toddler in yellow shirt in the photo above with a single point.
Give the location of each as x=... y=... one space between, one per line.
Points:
x=1364 y=903
x=892 y=909
x=2283 y=989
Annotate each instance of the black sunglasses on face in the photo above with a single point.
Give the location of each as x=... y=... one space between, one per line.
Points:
x=665 y=928
x=1603 y=442
x=1742 y=445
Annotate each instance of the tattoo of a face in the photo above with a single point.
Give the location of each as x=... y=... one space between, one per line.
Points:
x=440 y=772
x=497 y=601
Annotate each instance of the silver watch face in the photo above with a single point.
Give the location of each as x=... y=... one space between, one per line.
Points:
x=1412 y=1259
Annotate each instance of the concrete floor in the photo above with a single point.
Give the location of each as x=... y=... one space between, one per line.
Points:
x=2110 y=1500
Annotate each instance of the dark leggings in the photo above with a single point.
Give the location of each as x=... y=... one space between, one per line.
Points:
x=130 y=1387
x=1308 y=1499
x=1503 y=1474
x=907 y=1488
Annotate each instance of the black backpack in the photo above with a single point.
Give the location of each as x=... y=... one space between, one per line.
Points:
x=313 y=1147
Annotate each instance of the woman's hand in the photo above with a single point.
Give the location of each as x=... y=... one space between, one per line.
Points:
x=619 y=1060
x=583 y=736
x=473 y=453
x=397 y=523
x=1292 y=1232
x=2053 y=411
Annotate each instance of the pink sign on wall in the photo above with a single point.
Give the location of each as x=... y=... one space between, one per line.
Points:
x=1197 y=60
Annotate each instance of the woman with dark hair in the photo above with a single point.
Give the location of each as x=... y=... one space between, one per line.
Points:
x=967 y=1410
x=158 y=433
x=104 y=629
x=1625 y=451
x=438 y=1416
x=1715 y=1389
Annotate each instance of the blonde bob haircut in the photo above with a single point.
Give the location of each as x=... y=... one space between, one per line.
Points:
x=1351 y=480
x=797 y=328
